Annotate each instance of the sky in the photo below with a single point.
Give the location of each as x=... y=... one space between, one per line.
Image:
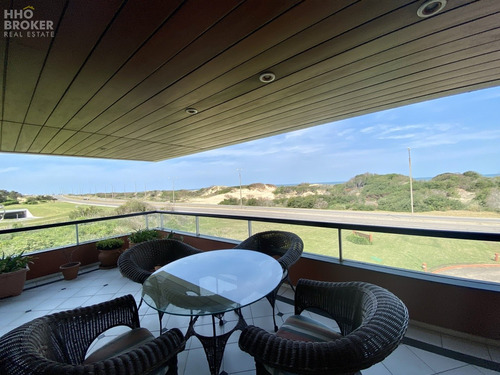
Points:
x=454 y=134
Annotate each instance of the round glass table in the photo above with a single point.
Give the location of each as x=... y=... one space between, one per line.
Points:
x=212 y=283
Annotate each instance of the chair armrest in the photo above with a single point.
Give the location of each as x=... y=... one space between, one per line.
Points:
x=129 y=268
x=142 y=360
x=356 y=351
x=289 y=355
x=293 y=253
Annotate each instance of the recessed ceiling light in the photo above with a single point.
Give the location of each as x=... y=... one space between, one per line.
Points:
x=267 y=77
x=191 y=111
x=430 y=8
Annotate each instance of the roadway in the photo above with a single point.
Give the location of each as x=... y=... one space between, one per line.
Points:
x=385 y=219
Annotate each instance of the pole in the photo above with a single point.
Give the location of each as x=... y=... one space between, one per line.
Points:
x=411 y=181
x=241 y=197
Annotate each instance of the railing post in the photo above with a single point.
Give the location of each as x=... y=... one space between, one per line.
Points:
x=249 y=228
x=77 y=235
x=340 y=244
x=161 y=221
x=197 y=222
x=147 y=221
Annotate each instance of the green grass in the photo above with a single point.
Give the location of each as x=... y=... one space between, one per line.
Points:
x=46 y=213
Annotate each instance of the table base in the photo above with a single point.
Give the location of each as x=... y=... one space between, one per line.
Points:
x=214 y=345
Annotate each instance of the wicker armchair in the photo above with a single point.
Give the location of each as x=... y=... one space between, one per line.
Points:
x=287 y=247
x=58 y=343
x=371 y=319
x=138 y=262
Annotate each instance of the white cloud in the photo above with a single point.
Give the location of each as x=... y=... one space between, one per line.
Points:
x=8 y=169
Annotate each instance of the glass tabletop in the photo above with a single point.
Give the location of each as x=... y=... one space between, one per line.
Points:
x=212 y=282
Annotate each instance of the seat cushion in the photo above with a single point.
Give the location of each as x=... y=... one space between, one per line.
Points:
x=302 y=328
x=122 y=344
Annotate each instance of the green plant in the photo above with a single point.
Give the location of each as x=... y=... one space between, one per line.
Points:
x=142 y=235
x=11 y=263
x=358 y=240
x=109 y=244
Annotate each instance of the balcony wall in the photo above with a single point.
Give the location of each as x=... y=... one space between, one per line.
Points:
x=456 y=307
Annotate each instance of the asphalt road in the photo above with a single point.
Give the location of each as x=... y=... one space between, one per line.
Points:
x=389 y=219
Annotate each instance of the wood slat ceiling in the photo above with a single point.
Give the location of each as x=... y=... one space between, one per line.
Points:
x=117 y=76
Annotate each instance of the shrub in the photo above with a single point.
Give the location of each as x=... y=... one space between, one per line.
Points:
x=11 y=263
x=109 y=244
x=133 y=205
x=230 y=201
x=85 y=212
x=358 y=240
x=10 y=202
x=143 y=235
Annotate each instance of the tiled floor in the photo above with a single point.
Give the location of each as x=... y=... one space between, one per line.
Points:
x=424 y=352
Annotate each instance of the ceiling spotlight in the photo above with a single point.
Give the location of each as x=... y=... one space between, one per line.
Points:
x=191 y=111
x=267 y=77
x=430 y=8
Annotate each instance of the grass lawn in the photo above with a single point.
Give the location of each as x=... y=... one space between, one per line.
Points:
x=46 y=213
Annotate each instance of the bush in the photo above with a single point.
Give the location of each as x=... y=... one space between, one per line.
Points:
x=133 y=205
x=11 y=263
x=230 y=201
x=358 y=240
x=143 y=235
x=10 y=202
x=109 y=244
x=85 y=212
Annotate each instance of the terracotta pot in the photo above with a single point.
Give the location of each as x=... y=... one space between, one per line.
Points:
x=70 y=270
x=108 y=258
x=12 y=283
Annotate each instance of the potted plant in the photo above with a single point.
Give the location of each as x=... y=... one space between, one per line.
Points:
x=13 y=270
x=109 y=251
x=143 y=235
x=70 y=268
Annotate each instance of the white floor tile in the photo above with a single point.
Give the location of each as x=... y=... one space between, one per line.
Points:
x=437 y=362
x=235 y=360
x=404 y=358
x=485 y=371
x=424 y=335
x=466 y=347
x=378 y=369
x=465 y=370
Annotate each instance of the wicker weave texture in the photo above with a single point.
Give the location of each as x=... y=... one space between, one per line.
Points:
x=57 y=343
x=286 y=246
x=372 y=320
x=138 y=262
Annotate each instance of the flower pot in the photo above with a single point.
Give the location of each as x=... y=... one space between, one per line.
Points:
x=108 y=258
x=70 y=270
x=12 y=283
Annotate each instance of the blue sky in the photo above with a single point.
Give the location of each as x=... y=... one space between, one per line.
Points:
x=453 y=134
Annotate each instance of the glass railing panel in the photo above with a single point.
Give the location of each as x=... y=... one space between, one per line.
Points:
x=109 y=228
x=441 y=256
x=181 y=223
x=322 y=241
x=153 y=221
x=37 y=240
x=224 y=228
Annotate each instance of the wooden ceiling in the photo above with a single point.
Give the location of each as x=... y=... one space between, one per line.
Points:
x=117 y=77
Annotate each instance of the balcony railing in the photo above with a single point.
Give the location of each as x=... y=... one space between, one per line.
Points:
x=389 y=249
